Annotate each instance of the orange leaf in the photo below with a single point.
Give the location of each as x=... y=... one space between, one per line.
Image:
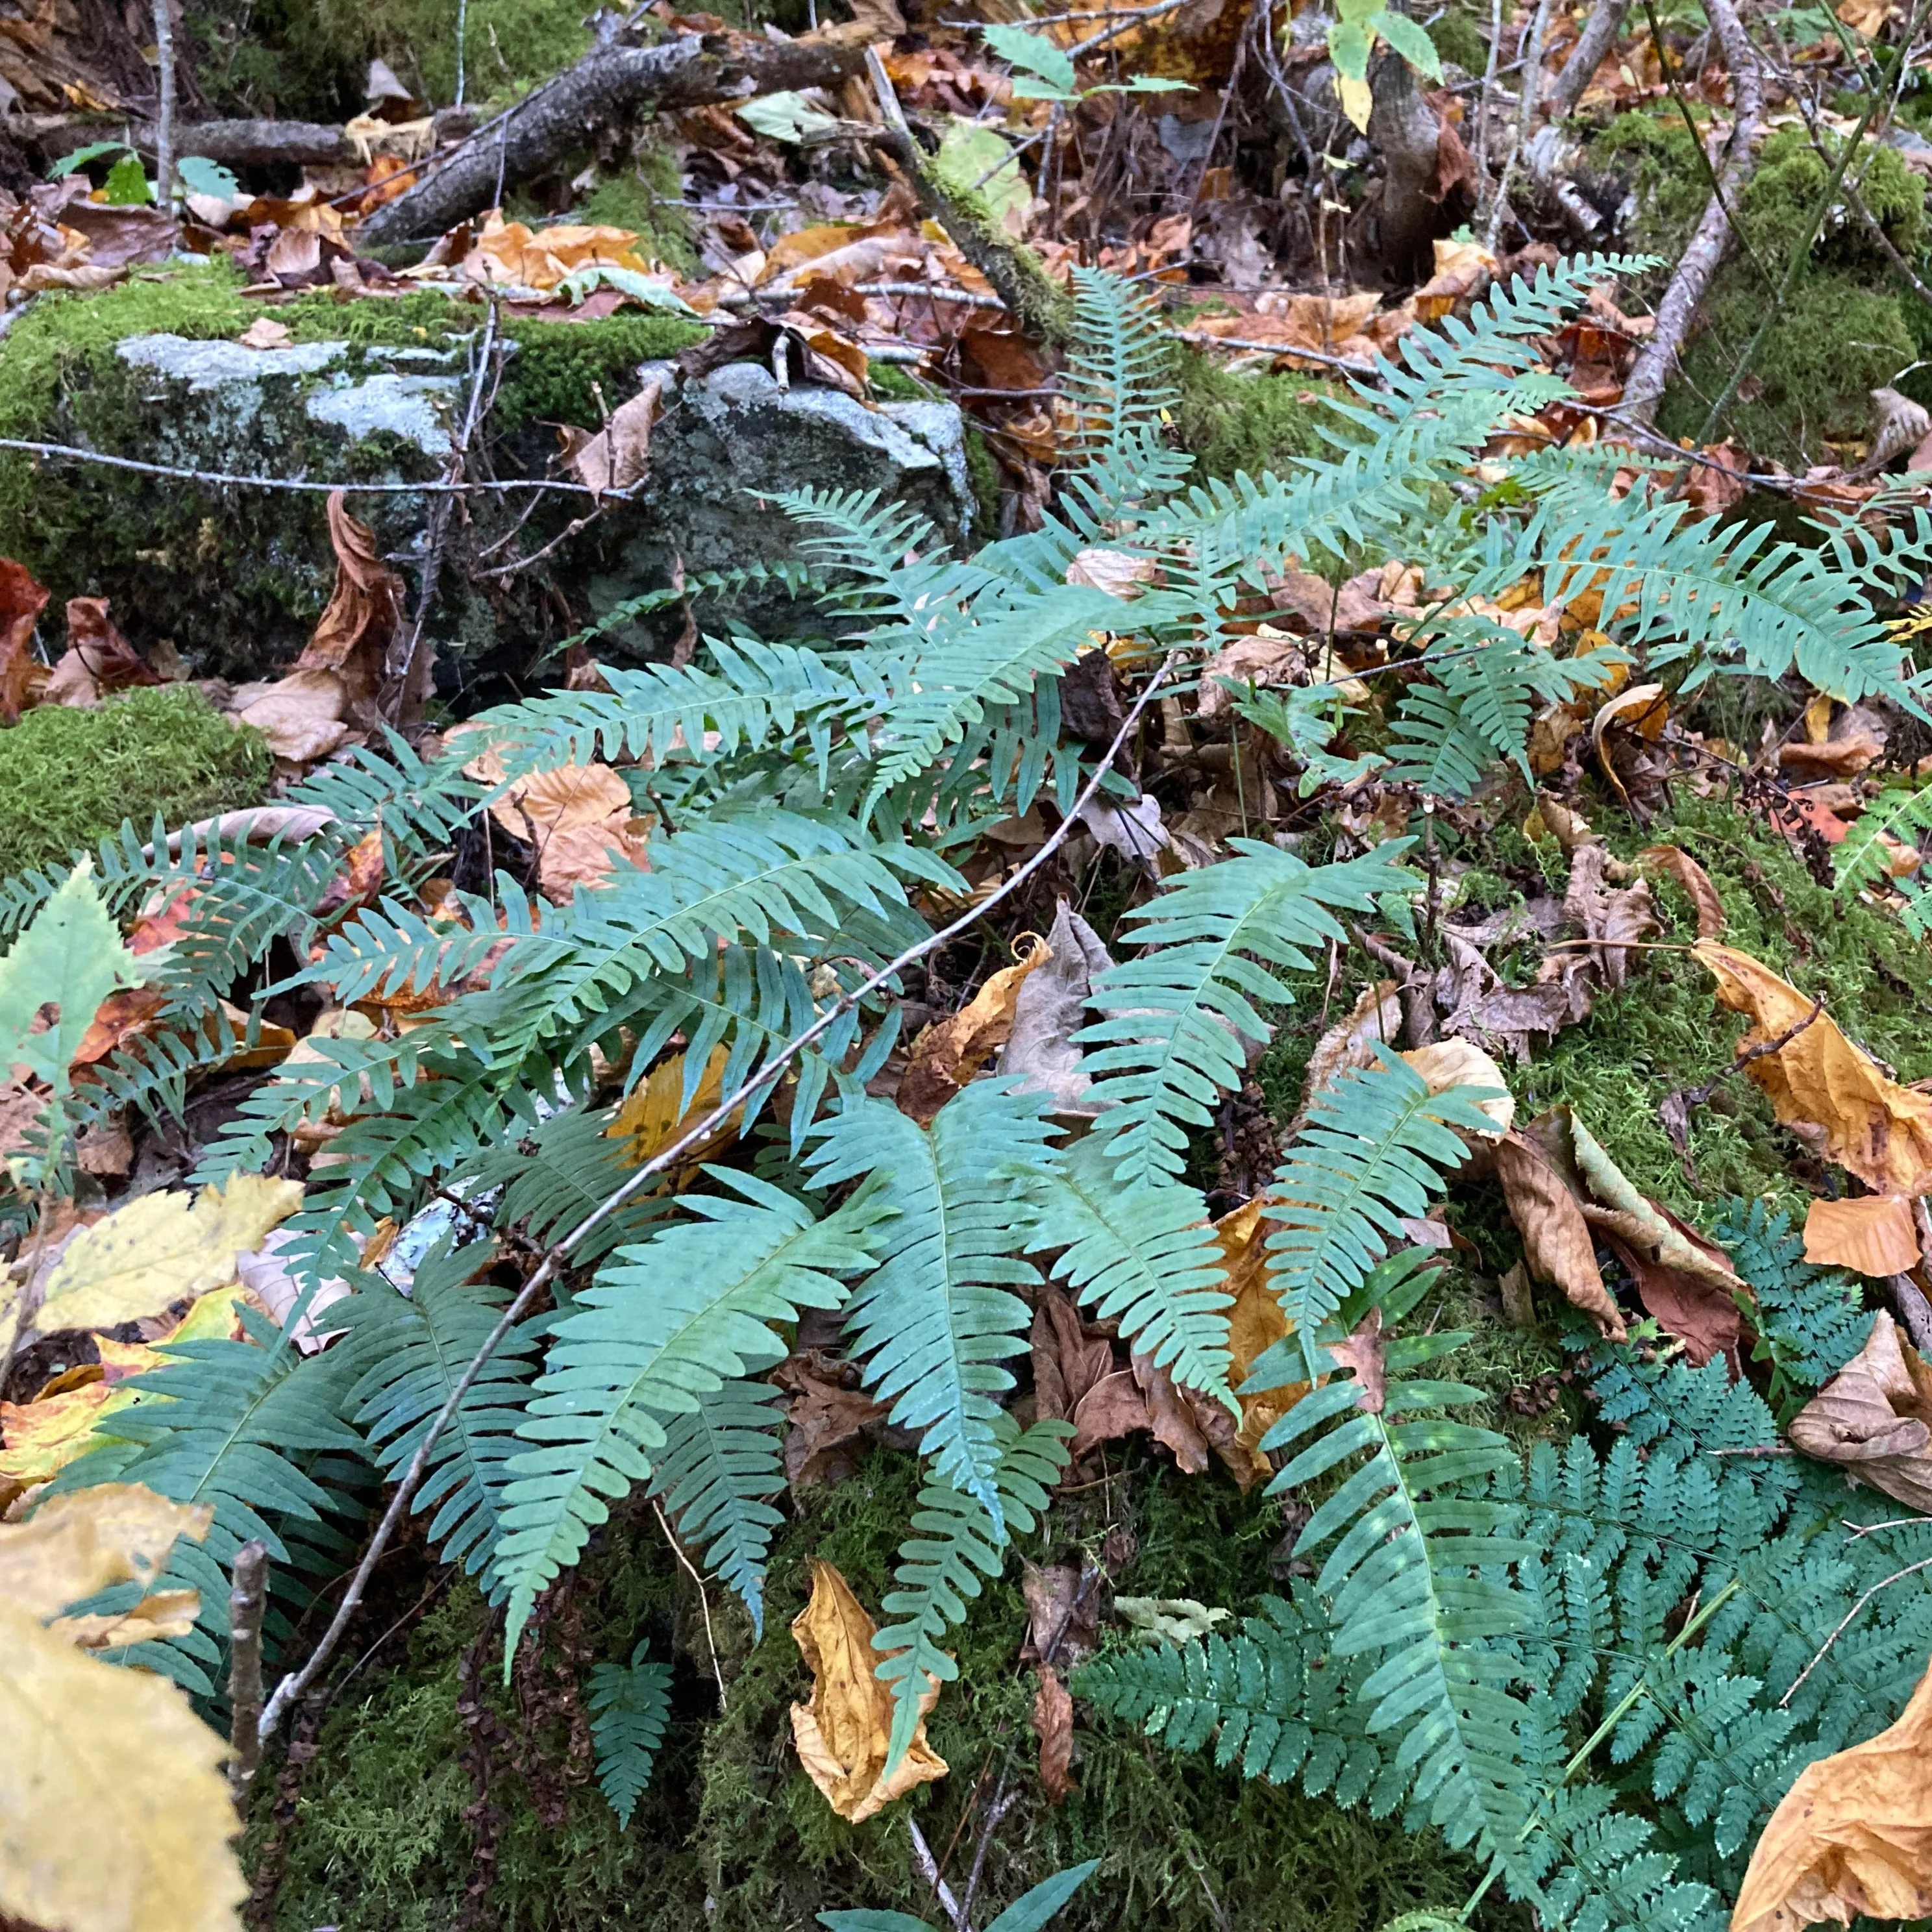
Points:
x=1873 y=1235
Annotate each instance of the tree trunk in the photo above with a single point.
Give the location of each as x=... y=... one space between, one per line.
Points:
x=605 y=87
x=1405 y=128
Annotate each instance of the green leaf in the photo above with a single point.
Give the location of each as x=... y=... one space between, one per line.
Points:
x=871 y=1918
x=630 y=1705
x=126 y=185
x=974 y=157
x=1411 y=43
x=789 y=117
x=79 y=158
x=200 y=175
x=1036 y=53
x=1032 y=1910
x=1349 y=45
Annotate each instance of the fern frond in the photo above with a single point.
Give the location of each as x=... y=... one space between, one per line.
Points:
x=1178 y=1019
x=934 y=1320
x=408 y=1353
x=1373 y=1152
x=666 y=1324
x=960 y=1540
x=630 y=1707
x=556 y=1174
x=719 y=1463
x=878 y=560
x=1864 y=856
x=1146 y=1258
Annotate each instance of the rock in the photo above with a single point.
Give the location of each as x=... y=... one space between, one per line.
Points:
x=233 y=577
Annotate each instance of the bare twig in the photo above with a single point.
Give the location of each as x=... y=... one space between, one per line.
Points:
x=1599 y=35
x=246 y=1599
x=1346 y=363
x=164 y=112
x=547 y=1270
x=1525 y=113
x=1845 y=1623
x=703 y=1601
x=928 y=1870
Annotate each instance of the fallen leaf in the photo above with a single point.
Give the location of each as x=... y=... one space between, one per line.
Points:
x=1116 y=1405
x=1853 y=1835
x=1255 y=1323
x=843 y=1735
x=265 y=332
x=22 y=601
x=1119 y=573
x=1053 y=1721
x=1463 y=269
x=830 y=1420
x=1375 y=1020
x=1069 y=1357
x=118 y=1817
x=1362 y=1351
x=1642 y=709
x=352 y=637
x=655 y=1113
x=1614 y=916
x=1870 y=1418
x=1855 y=741
x=303 y=715
x=1557 y=1244
x=948 y=1054
x=110 y=663
x=1826 y=1090
x=1050 y=1008
x=508 y=251
x=42 y=1437
x=1673 y=863
x=1060 y=1616
x=1873 y=1235
x=619 y=454
x=579 y=819
x=161 y=1249
x=74 y=1545
x=1461 y=1063
x=1172 y=1619
x=266 y=1276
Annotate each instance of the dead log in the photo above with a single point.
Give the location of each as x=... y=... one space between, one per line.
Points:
x=1408 y=132
x=1674 y=314
x=610 y=85
x=235 y=144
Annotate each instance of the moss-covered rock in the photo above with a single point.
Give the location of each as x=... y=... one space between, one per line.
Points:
x=68 y=777
x=1235 y=422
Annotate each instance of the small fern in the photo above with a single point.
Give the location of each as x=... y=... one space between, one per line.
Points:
x=630 y=1709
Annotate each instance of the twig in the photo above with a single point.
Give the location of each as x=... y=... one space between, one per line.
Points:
x=1599 y=35
x=164 y=114
x=246 y=1599
x=1845 y=1622
x=703 y=1601
x=1525 y=113
x=1485 y=187
x=1125 y=24
x=963 y=298
x=1756 y=1449
x=292 y=1686
x=1345 y=363
x=1657 y=364
x=928 y=1870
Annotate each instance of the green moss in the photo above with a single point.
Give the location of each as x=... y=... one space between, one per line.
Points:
x=509 y=44
x=1458 y=39
x=68 y=777
x=560 y=366
x=1235 y=423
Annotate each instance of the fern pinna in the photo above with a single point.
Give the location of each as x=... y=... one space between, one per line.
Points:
x=1595 y=1670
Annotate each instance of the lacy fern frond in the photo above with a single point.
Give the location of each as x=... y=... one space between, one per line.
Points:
x=666 y=1324
x=717 y=1470
x=1811 y=1320
x=630 y=1709
x=1178 y=1019
x=1145 y=1258
x=407 y=1353
x=958 y=1541
x=1889 y=827
x=934 y=1320
x=1373 y=1151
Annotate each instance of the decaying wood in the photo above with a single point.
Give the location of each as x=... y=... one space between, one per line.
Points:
x=1658 y=362
x=603 y=89
x=235 y=144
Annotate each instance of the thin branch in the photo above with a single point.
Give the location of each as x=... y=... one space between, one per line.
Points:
x=1345 y=363
x=246 y=1600
x=164 y=116
x=704 y=1602
x=928 y=1870
x=1532 y=85
x=1845 y=1622
x=292 y=1686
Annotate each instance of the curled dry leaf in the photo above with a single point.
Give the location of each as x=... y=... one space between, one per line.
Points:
x=1061 y=1617
x=1672 y=862
x=162 y=1248
x=353 y=638
x=949 y=1053
x=22 y=601
x=1871 y=1418
x=303 y=715
x=830 y=1420
x=844 y=1733
x=1461 y=1063
x=1873 y=1235
x=1374 y=1021
x=1069 y=1357
x=1852 y=1837
x=579 y=819
x=1255 y=1323
x=1050 y=1007
x=1614 y=917
x=1053 y=1720
x=1829 y=1093
x=619 y=454
x=1642 y=709
x=1557 y=1244
x=1362 y=1351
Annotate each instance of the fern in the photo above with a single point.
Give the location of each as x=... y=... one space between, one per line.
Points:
x=1864 y=857
x=1810 y=1321
x=666 y=1324
x=939 y=1570
x=1372 y=1153
x=630 y=1707
x=1180 y=1016
x=1145 y=1259
x=407 y=1353
x=934 y=1320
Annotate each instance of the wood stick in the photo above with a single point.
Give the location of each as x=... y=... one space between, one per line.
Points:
x=246 y=1601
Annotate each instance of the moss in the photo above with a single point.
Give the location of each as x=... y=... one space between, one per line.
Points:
x=1458 y=39
x=509 y=44
x=68 y=777
x=560 y=366
x=1235 y=423
x=644 y=199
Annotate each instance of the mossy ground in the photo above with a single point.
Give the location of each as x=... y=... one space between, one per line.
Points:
x=68 y=777
x=1236 y=423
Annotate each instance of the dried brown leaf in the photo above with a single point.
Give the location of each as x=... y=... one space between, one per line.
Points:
x=1556 y=1239
x=1053 y=1720
x=1872 y=1235
x=948 y=1054
x=1673 y=863
x=1871 y=1418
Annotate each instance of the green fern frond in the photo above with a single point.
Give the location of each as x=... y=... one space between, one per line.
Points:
x=408 y=1353
x=934 y=1319
x=1177 y=1019
x=960 y=1541
x=791 y=578
x=666 y=1324
x=878 y=560
x=1864 y=856
x=1146 y=1258
x=557 y=1173
x=1373 y=1152
x=1811 y=1320
x=630 y=1707
x=719 y=1464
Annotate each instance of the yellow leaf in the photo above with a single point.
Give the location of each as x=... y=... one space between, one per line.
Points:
x=1456 y=1062
x=162 y=1248
x=1356 y=100
x=42 y=1437
x=1852 y=1836
x=113 y=1816
x=1255 y=1323
x=843 y=1735
x=74 y=1545
x=654 y=1115
x=948 y=1054
x=1829 y=1093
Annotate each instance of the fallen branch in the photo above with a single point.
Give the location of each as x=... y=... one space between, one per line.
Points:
x=1599 y=35
x=1658 y=361
x=605 y=87
x=234 y=143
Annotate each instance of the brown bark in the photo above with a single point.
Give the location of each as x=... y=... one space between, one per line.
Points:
x=1409 y=132
x=1599 y=35
x=604 y=88
x=1674 y=314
